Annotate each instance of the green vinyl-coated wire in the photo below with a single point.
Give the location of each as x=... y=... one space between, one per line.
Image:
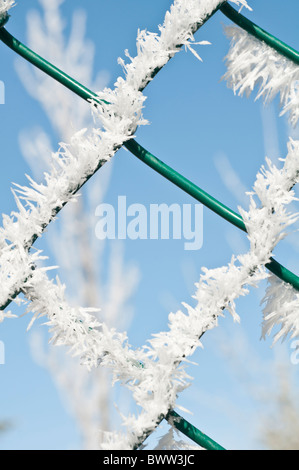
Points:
x=274 y=266
x=179 y=422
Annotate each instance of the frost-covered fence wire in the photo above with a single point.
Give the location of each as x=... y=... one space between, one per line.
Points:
x=120 y=114
x=155 y=374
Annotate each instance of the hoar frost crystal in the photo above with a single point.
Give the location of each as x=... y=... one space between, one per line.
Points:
x=155 y=374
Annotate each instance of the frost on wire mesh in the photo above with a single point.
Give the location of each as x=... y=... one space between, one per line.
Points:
x=5 y=5
x=281 y=310
x=218 y=289
x=253 y=64
x=155 y=374
x=162 y=377
x=74 y=163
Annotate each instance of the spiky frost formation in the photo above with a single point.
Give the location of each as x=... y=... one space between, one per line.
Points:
x=5 y=5
x=155 y=373
x=253 y=64
x=76 y=162
x=281 y=311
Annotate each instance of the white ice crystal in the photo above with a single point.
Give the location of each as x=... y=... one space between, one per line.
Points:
x=5 y=5
x=217 y=290
x=253 y=64
x=281 y=310
x=4 y=315
x=155 y=373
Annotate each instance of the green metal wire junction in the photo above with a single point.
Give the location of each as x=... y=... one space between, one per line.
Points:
x=3 y=19
x=260 y=33
x=144 y=155
x=166 y=171
x=192 y=432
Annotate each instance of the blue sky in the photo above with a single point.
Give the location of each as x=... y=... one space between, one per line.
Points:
x=195 y=123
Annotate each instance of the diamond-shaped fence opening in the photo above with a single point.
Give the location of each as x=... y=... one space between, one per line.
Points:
x=155 y=375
